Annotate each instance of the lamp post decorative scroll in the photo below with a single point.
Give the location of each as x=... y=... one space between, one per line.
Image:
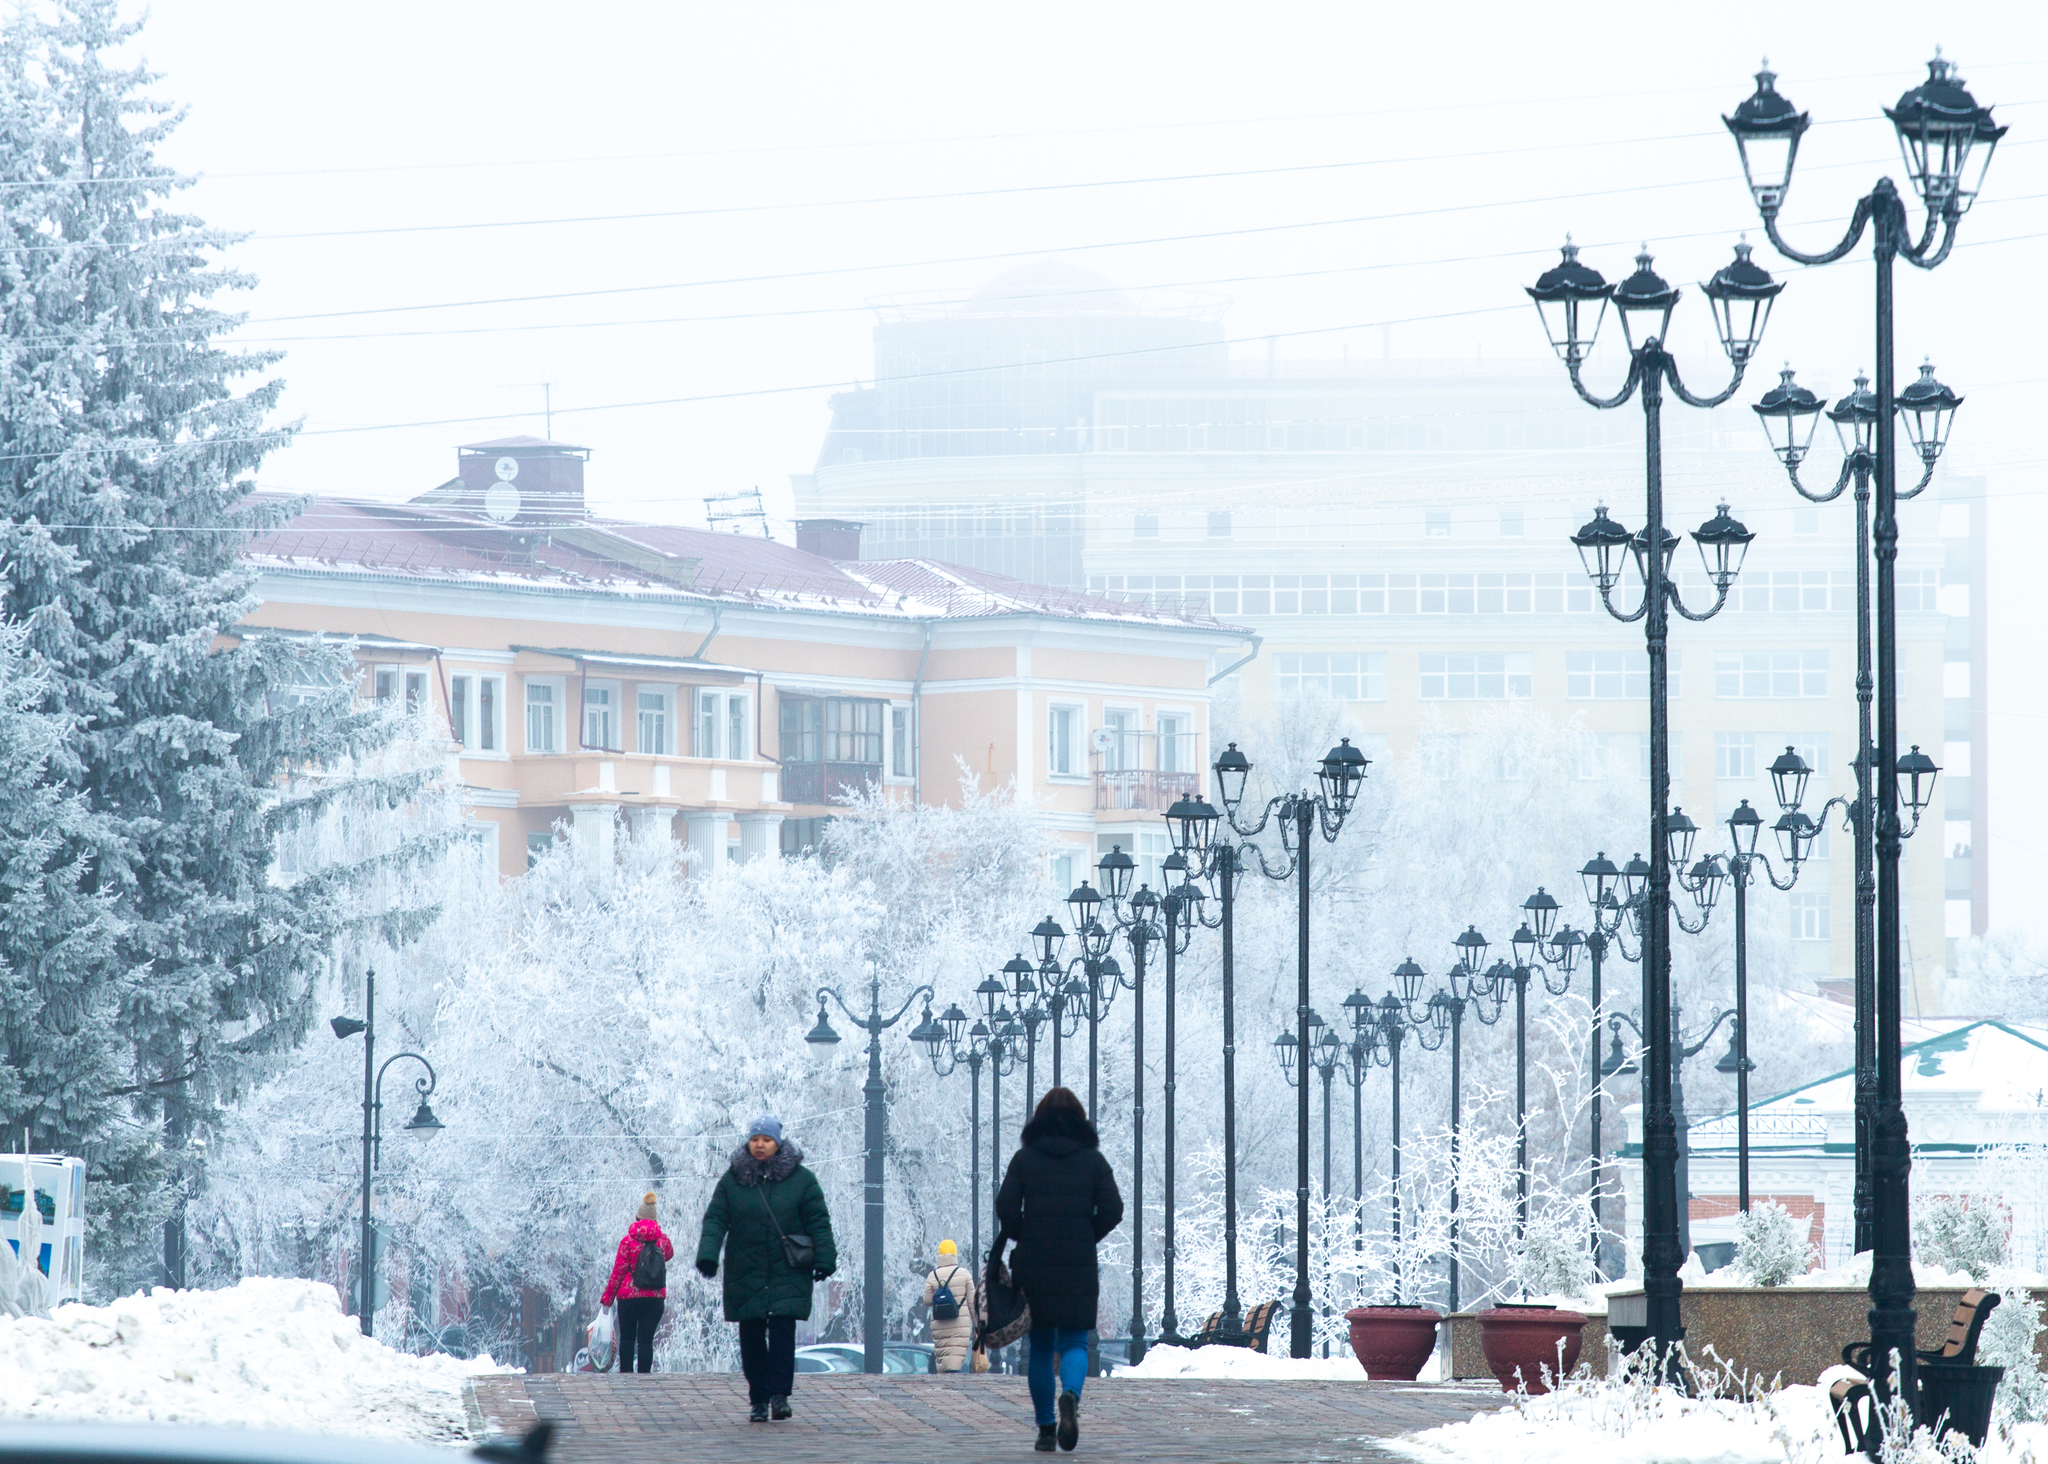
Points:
x=876 y=1140
x=1946 y=141
x=1741 y=294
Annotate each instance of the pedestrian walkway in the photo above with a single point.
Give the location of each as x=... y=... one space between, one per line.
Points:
x=848 y=1418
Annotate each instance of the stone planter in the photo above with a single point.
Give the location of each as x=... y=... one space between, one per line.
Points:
x=1392 y=1342
x=1525 y=1340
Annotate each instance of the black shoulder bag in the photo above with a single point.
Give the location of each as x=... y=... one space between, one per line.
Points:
x=799 y=1250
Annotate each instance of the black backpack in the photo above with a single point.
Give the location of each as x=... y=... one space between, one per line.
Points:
x=945 y=1305
x=650 y=1268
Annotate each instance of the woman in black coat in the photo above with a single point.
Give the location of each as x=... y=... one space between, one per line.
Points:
x=1057 y=1202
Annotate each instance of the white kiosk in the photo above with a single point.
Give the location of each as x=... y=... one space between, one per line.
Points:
x=58 y=1228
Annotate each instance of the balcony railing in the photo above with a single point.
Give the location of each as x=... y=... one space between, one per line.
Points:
x=1143 y=788
x=827 y=783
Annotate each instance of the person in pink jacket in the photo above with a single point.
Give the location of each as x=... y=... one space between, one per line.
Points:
x=639 y=1282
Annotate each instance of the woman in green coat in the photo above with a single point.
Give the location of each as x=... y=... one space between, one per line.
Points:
x=766 y=1194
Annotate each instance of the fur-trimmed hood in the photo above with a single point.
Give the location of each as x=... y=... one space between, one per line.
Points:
x=747 y=1170
x=1060 y=1132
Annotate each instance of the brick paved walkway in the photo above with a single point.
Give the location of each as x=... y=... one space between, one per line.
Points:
x=853 y=1419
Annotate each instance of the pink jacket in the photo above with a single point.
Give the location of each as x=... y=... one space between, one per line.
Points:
x=621 y=1283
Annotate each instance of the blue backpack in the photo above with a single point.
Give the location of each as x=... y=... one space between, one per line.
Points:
x=945 y=1305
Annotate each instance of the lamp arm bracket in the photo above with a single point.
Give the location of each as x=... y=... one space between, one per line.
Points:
x=1561 y=988
x=1842 y=481
x=1607 y=600
x=424 y=1085
x=923 y=991
x=1329 y=820
x=1628 y=387
x=1926 y=477
x=1679 y=389
x=1919 y=257
x=1771 y=874
x=1423 y=1032
x=1707 y=1036
x=1721 y=599
x=1266 y=867
x=1679 y=915
x=1272 y=804
x=1858 y=221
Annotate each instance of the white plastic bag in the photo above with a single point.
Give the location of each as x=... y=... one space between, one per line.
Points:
x=603 y=1335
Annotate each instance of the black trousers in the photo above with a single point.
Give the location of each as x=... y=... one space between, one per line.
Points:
x=768 y=1357
x=638 y=1317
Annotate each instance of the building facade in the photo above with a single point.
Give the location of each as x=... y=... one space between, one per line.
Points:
x=726 y=689
x=1397 y=535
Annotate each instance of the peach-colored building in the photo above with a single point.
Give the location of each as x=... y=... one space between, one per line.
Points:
x=725 y=688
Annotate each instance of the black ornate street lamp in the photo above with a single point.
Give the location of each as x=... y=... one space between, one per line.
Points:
x=1181 y=908
x=1465 y=988
x=1325 y=1054
x=1398 y=1017
x=1741 y=295
x=422 y=1123
x=952 y=1044
x=1789 y=414
x=1302 y=816
x=1139 y=925
x=1540 y=942
x=877 y=1137
x=1361 y=1054
x=1946 y=141
x=1621 y=1064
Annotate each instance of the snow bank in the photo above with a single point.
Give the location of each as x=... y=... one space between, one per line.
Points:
x=268 y=1353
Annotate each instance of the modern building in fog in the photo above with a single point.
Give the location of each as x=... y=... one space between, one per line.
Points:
x=1395 y=531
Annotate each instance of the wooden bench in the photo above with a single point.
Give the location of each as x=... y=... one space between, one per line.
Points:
x=1850 y=1397
x=1258 y=1325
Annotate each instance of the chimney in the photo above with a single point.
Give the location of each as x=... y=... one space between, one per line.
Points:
x=523 y=480
x=829 y=538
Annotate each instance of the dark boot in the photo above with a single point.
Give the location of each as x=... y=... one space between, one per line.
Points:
x=1070 y=1420
x=1045 y=1444
x=778 y=1407
x=758 y=1413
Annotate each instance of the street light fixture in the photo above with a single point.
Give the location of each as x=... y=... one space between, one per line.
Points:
x=1946 y=141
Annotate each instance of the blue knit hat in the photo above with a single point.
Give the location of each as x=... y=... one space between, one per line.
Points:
x=767 y=1125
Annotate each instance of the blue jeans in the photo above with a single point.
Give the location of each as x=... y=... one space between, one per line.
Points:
x=1065 y=1348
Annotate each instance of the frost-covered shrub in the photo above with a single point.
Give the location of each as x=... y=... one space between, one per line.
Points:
x=2008 y=1342
x=1553 y=1259
x=1771 y=1245
x=1951 y=1233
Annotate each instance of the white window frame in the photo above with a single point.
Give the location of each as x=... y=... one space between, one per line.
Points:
x=1130 y=752
x=558 y=688
x=614 y=709
x=1185 y=717
x=666 y=696
x=1812 y=919
x=1076 y=767
x=721 y=701
x=470 y=733
x=378 y=674
x=901 y=726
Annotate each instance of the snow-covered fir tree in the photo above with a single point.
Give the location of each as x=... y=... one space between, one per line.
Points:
x=129 y=434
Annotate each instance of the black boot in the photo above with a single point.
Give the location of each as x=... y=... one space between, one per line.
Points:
x=758 y=1413
x=1070 y=1420
x=778 y=1407
x=1045 y=1444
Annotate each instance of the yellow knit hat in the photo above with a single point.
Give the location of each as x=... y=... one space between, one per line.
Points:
x=947 y=1248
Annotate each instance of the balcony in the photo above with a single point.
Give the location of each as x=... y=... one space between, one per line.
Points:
x=1144 y=789
x=827 y=783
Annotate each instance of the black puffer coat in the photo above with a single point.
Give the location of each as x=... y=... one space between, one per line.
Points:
x=1058 y=1200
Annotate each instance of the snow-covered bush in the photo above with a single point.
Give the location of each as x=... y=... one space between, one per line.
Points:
x=1771 y=1245
x=1952 y=1232
x=2008 y=1342
x=1553 y=1258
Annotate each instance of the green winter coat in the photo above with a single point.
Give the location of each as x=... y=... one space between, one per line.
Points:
x=758 y=1282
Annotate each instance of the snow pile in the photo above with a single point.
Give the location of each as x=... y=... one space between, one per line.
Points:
x=268 y=1353
x=1240 y=1362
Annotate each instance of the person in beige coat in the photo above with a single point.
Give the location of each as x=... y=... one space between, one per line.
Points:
x=953 y=1340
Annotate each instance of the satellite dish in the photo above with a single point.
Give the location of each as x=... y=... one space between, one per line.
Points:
x=508 y=468
x=1104 y=739
x=501 y=501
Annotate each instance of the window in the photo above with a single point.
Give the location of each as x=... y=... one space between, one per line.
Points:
x=1219 y=524
x=1437 y=523
x=739 y=747
x=1121 y=745
x=537 y=846
x=1484 y=676
x=853 y=731
x=1145 y=526
x=1916 y=589
x=458 y=708
x=474 y=707
x=541 y=703
x=1176 y=743
x=1511 y=523
x=415 y=690
x=651 y=735
x=1148 y=848
x=384 y=683
x=1062 y=755
x=900 y=744
x=1346 y=676
x=1063 y=874
x=601 y=726
x=1770 y=674
x=1607 y=675
x=1735 y=755
x=1809 y=917
x=722 y=729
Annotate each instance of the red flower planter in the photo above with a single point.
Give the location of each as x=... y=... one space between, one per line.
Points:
x=1526 y=1338
x=1392 y=1341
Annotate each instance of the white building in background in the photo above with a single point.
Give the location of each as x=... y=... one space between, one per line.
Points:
x=1395 y=532
x=1969 y=1088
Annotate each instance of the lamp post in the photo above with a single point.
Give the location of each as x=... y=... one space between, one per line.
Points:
x=942 y=1039
x=1361 y=1054
x=1140 y=928
x=1789 y=413
x=1324 y=1053
x=1398 y=1016
x=1181 y=907
x=1741 y=295
x=1541 y=941
x=1946 y=141
x=1464 y=988
x=1620 y=1064
x=876 y=1094
x=422 y=1122
x=1302 y=816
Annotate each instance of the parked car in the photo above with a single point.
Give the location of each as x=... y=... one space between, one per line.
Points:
x=847 y=1357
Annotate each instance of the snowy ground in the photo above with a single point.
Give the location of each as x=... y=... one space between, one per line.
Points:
x=267 y=1353
x=1241 y=1362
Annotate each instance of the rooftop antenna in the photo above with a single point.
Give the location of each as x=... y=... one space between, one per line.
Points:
x=744 y=512
x=547 y=399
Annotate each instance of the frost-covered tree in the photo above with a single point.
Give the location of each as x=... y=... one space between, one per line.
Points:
x=1771 y=1244
x=1958 y=1233
x=2003 y=974
x=128 y=436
